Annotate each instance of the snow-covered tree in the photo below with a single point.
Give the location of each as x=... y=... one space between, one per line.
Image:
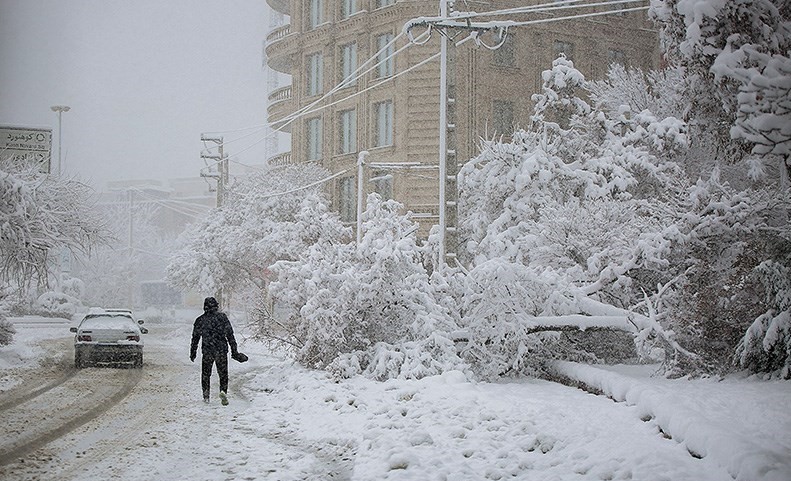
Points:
x=612 y=206
x=266 y=217
x=766 y=347
x=567 y=224
x=111 y=273
x=737 y=58
x=41 y=214
x=7 y=331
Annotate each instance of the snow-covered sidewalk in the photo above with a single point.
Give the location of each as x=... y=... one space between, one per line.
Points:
x=743 y=425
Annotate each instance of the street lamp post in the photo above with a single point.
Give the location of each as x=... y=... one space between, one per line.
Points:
x=60 y=109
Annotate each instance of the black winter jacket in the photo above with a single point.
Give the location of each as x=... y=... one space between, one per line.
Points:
x=216 y=331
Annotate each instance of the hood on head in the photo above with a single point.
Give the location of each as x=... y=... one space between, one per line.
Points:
x=210 y=304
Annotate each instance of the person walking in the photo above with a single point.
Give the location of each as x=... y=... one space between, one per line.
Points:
x=214 y=330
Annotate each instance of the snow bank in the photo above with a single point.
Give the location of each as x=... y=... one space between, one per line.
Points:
x=734 y=437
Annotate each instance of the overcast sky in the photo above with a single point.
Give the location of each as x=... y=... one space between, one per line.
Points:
x=143 y=78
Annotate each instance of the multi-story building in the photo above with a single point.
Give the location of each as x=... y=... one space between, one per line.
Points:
x=321 y=42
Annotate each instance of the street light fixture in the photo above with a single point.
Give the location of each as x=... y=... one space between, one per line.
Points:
x=60 y=109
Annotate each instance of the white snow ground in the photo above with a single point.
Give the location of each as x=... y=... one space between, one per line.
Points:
x=288 y=423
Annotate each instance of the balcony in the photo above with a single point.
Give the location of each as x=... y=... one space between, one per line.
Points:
x=279 y=159
x=280 y=49
x=282 y=6
x=280 y=106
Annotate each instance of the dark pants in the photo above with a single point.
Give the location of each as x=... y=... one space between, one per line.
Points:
x=209 y=359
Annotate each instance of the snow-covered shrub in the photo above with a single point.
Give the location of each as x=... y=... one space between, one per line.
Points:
x=766 y=347
x=502 y=300
x=16 y=300
x=7 y=331
x=73 y=287
x=417 y=359
x=354 y=305
x=722 y=236
x=56 y=304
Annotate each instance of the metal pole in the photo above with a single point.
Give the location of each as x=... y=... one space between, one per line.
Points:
x=443 y=133
x=223 y=171
x=222 y=179
x=60 y=142
x=361 y=158
x=131 y=218
x=60 y=109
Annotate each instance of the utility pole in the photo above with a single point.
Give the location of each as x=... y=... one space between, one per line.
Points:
x=60 y=109
x=448 y=167
x=443 y=133
x=133 y=285
x=361 y=158
x=222 y=180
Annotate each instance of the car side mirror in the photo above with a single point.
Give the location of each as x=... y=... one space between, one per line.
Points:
x=143 y=330
x=140 y=321
x=73 y=329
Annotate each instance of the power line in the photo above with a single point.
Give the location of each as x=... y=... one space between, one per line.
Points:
x=353 y=77
x=309 y=109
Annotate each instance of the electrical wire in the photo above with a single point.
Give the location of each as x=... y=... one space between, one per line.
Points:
x=376 y=85
x=303 y=187
x=185 y=208
x=309 y=109
x=353 y=77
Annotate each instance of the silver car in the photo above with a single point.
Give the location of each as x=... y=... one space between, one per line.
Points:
x=108 y=338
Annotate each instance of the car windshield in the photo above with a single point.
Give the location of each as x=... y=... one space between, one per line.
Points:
x=108 y=322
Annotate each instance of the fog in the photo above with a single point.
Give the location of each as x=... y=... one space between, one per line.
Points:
x=143 y=80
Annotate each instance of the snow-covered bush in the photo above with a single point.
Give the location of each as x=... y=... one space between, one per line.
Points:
x=56 y=304
x=73 y=287
x=366 y=309
x=417 y=359
x=7 y=331
x=766 y=347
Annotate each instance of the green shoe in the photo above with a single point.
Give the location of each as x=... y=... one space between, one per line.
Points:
x=223 y=398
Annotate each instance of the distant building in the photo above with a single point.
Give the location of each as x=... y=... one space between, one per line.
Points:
x=321 y=42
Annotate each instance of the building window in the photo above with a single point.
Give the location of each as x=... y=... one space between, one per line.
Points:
x=315 y=74
x=348 y=8
x=383 y=112
x=383 y=184
x=384 y=60
x=616 y=56
x=349 y=63
x=314 y=139
x=566 y=48
x=348 y=131
x=315 y=13
x=503 y=117
x=384 y=3
x=505 y=56
x=347 y=196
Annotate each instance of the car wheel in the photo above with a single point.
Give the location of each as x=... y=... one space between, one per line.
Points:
x=78 y=362
x=138 y=361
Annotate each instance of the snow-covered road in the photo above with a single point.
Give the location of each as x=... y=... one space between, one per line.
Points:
x=287 y=423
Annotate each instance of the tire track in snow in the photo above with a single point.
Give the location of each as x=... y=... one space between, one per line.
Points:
x=75 y=416
x=18 y=398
